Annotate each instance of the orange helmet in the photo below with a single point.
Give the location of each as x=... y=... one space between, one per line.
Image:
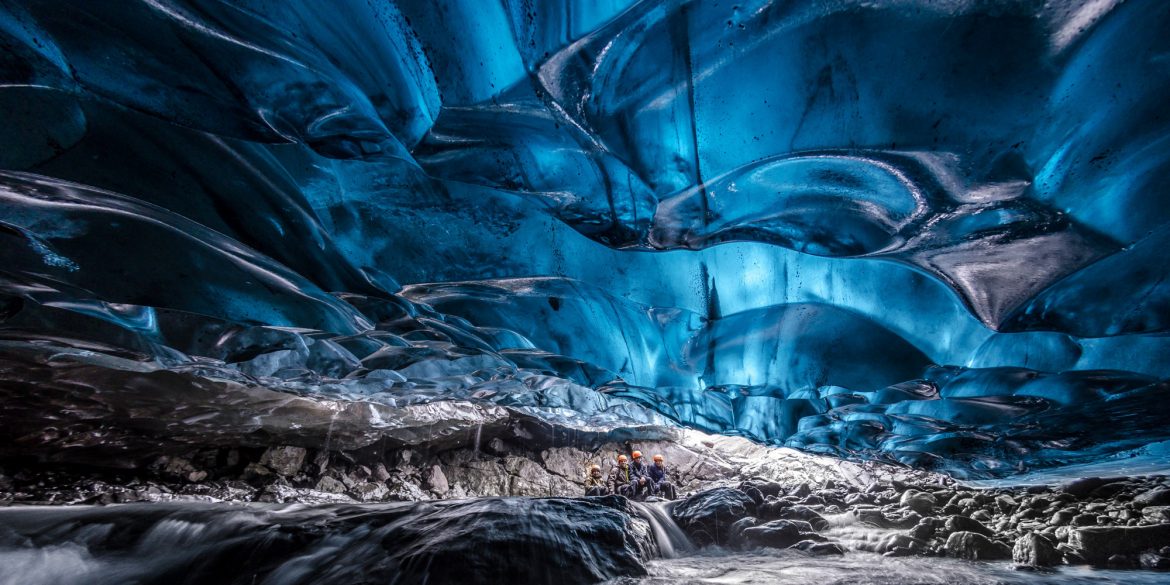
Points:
x=637 y=454
x=622 y=459
x=595 y=467
x=658 y=458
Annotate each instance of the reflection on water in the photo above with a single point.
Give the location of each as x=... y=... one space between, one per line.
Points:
x=796 y=568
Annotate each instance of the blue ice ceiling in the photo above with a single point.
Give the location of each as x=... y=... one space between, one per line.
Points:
x=925 y=231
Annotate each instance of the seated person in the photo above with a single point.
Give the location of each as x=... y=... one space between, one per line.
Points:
x=642 y=483
x=622 y=480
x=594 y=482
x=659 y=476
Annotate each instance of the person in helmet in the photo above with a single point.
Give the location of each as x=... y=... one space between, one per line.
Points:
x=622 y=480
x=659 y=478
x=640 y=469
x=594 y=482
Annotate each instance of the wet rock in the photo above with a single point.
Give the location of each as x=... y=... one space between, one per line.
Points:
x=975 y=547
x=1084 y=520
x=1063 y=517
x=707 y=516
x=1006 y=503
x=405 y=491
x=492 y=540
x=819 y=548
x=925 y=529
x=779 y=534
x=176 y=467
x=893 y=542
x=800 y=491
x=920 y=502
x=1109 y=490
x=965 y=524
x=1084 y=486
x=371 y=491
x=772 y=508
x=1154 y=561
x=1156 y=514
x=1035 y=551
x=1097 y=543
x=769 y=488
x=565 y=462
x=754 y=493
x=330 y=485
x=381 y=473
x=435 y=480
x=256 y=472
x=1154 y=497
x=803 y=513
x=284 y=460
x=735 y=538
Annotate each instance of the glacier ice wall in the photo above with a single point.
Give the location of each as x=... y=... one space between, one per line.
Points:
x=922 y=231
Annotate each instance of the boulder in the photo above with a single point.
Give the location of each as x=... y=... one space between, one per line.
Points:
x=896 y=541
x=735 y=538
x=975 y=547
x=819 y=549
x=372 y=491
x=965 y=524
x=285 y=460
x=1154 y=497
x=330 y=485
x=1097 y=543
x=1085 y=485
x=803 y=513
x=1154 y=562
x=436 y=481
x=516 y=540
x=707 y=516
x=921 y=502
x=800 y=491
x=1034 y=550
x=779 y=534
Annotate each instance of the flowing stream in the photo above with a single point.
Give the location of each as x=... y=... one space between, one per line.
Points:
x=168 y=544
x=672 y=541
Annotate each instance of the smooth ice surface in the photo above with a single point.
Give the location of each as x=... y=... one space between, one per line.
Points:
x=931 y=232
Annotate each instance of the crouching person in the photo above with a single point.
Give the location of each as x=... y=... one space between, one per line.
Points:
x=594 y=482
x=660 y=484
x=621 y=480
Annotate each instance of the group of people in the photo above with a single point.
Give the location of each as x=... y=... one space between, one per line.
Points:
x=632 y=479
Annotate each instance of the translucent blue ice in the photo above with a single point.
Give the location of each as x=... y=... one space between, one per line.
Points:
x=926 y=231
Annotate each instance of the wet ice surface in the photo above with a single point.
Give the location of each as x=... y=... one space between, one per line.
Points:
x=794 y=568
x=952 y=261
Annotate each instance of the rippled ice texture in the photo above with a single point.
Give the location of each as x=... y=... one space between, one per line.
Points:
x=931 y=232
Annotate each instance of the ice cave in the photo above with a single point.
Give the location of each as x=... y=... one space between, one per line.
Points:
x=361 y=291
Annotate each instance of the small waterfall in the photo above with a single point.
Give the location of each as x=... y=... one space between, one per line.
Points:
x=672 y=541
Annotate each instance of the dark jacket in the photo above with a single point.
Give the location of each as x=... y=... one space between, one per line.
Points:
x=658 y=474
x=591 y=481
x=619 y=477
x=638 y=467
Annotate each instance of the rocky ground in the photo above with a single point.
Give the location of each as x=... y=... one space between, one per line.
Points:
x=735 y=494
x=285 y=473
x=1108 y=522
